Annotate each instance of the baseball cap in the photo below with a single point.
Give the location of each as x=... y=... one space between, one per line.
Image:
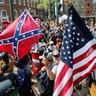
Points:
x=55 y=52
x=4 y=56
x=47 y=55
x=51 y=42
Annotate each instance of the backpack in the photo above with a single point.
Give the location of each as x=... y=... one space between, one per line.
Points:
x=45 y=85
x=23 y=81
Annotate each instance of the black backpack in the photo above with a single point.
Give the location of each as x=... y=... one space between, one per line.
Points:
x=23 y=81
x=45 y=85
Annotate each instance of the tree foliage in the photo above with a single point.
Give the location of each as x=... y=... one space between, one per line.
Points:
x=43 y=4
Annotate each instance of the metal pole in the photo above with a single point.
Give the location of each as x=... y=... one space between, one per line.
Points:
x=11 y=10
x=49 y=10
x=63 y=7
x=56 y=8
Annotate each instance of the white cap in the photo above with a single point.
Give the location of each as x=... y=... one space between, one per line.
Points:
x=55 y=52
x=47 y=55
x=51 y=42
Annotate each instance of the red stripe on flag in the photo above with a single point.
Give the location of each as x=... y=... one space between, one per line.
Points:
x=37 y=21
x=85 y=66
x=84 y=76
x=61 y=75
x=84 y=55
x=67 y=87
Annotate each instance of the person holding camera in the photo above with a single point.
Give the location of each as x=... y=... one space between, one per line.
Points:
x=46 y=77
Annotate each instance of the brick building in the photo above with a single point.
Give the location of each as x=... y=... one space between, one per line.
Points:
x=84 y=7
x=94 y=7
x=11 y=9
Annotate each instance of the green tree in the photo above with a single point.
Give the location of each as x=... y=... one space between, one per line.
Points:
x=43 y=4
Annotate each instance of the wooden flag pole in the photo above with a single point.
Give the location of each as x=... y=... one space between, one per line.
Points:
x=77 y=91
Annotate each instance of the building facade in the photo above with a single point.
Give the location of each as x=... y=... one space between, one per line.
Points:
x=11 y=9
x=83 y=7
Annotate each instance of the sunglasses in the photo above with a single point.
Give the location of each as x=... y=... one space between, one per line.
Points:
x=56 y=56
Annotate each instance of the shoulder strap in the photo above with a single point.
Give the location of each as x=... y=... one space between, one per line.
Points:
x=52 y=65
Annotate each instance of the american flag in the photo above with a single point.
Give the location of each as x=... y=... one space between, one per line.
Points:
x=20 y=36
x=77 y=56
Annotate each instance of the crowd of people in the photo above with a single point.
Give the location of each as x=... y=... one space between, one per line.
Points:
x=20 y=74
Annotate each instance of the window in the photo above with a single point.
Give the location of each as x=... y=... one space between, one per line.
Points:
x=20 y=12
x=82 y=2
x=31 y=3
x=82 y=7
x=27 y=2
x=1 y=1
x=94 y=1
x=24 y=2
x=15 y=14
x=19 y=2
x=87 y=11
x=25 y=9
x=14 y=1
x=34 y=4
x=4 y=13
x=4 y=16
x=94 y=8
x=88 y=4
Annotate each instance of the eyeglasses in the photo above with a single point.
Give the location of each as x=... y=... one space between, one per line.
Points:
x=56 y=56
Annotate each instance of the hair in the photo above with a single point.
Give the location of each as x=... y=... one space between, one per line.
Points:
x=22 y=62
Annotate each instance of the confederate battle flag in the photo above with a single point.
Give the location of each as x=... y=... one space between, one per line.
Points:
x=20 y=36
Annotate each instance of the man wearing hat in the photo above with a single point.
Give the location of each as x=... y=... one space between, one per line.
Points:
x=50 y=66
x=47 y=60
x=51 y=46
x=56 y=56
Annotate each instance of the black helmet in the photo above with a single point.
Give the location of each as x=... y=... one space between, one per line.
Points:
x=22 y=62
x=4 y=56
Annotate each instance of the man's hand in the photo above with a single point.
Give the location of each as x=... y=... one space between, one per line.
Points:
x=45 y=62
x=43 y=68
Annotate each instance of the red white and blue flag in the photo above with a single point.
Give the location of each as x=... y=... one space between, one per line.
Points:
x=77 y=56
x=37 y=22
x=20 y=36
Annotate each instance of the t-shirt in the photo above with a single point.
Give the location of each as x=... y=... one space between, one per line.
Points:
x=54 y=69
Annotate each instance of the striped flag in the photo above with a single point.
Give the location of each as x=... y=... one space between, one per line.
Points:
x=77 y=56
x=37 y=22
x=20 y=36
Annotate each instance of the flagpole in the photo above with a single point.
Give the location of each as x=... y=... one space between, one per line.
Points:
x=56 y=10
x=77 y=91
x=11 y=10
x=49 y=13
